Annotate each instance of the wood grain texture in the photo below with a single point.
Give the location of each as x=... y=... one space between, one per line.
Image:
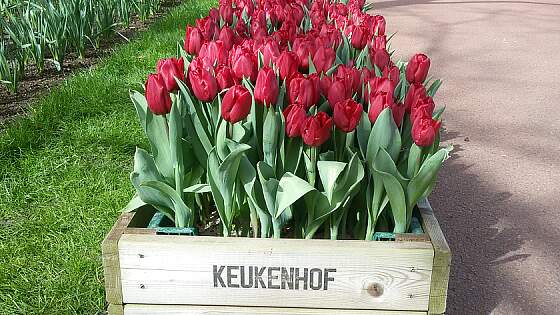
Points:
x=143 y=309
x=110 y=256
x=442 y=259
x=115 y=309
x=163 y=269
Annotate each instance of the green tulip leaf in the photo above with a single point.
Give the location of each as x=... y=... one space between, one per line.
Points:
x=290 y=189
x=198 y=189
x=384 y=134
x=329 y=172
x=134 y=204
x=397 y=199
x=363 y=132
x=270 y=137
x=183 y=213
x=426 y=176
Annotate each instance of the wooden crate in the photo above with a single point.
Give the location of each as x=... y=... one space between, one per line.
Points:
x=146 y=273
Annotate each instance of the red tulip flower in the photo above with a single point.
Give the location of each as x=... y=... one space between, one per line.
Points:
x=224 y=77
x=424 y=130
x=424 y=106
x=266 y=87
x=304 y=91
x=236 y=104
x=347 y=114
x=295 y=115
x=202 y=82
x=316 y=130
x=324 y=59
x=226 y=12
x=304 y=47
x=227 y=36
x=243 y=63
x=339 y=90
x=379 y=57
x=415 y=92
x=169 y=69
x=377 y=103
x=288 y=64
x=360 y=36
x=157 y=95
x=417 y=68
x=193 y=40
x=214 y=53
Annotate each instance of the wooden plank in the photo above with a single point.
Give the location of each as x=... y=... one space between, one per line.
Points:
x=165 y=269
x=110 y=256
x=442 y=259
x=115 y=309
x=143 y=309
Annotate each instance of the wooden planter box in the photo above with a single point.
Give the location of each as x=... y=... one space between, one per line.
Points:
x=147 y=273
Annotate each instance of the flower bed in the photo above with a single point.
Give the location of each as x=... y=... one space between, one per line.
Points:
x=288 y=119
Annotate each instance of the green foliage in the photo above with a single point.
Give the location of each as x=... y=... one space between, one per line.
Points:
x=40 y=31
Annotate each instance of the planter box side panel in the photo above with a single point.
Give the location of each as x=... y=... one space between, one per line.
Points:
x=442 y=259
x=163 y=269
x=144 y=309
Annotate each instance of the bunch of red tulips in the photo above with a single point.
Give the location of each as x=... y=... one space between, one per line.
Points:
x=268 y=94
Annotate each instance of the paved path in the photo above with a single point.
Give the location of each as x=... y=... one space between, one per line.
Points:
x=498 y=198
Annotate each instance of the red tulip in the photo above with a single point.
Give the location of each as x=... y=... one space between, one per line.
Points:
x=380 y=42
x=193 y=40
x=227 y=36
x=381 y=84
x=304 y=47
x=339 y=90
x=224 y=77
x=424 y=130
x=393 y=73
x=316 y=129
x=157 y=95
x=202 y=82
x=325 y=85
x=347 y=115
x=295 y=116
x=236 y=104
x=214 y=53
x=169 y=69
x=243 y=63
x=415 y=92
x=379 y=57
x=266 y=88
x=324 y=59
x=304 y=91
x=287 y=64
x=360 y=36
x=379 y=25
x=270 y=51
x=226 y=12
x=208 y=27
x=424 y=106
x=417 y=68
x=377 y=103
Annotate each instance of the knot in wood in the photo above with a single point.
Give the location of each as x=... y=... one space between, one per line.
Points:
x=375 y=289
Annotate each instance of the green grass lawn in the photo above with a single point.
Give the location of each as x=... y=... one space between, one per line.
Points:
x=64 y=177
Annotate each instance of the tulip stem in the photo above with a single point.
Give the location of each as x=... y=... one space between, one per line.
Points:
x=339 y=144
x=166 y=124
x=312 y=170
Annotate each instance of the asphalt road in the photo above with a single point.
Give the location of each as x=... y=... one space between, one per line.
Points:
x=498 y=197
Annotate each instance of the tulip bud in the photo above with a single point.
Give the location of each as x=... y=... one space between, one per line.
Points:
x=202 y=82
x=193 y=40
x=236 y=104
x=304 y=91
x=224 y=77
x=378 y=102
x=270 y=51
x=266 y=87
x=417 y=68
x=288 y=64
x=214 y=53
x=243 y=63
x=339 y=90
x=379 y=25
x=316 y=129
x=424 y=106
x=208 y=27
x=157 y=95
x=227 y=36
x=226 y=12
x=304 y=47
x=424 y=130
x=379 y=57
x=294 y=116
x=169 y=69
x=415 y=92
x=347 y=115
x=324 y=59
x=360 y=37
